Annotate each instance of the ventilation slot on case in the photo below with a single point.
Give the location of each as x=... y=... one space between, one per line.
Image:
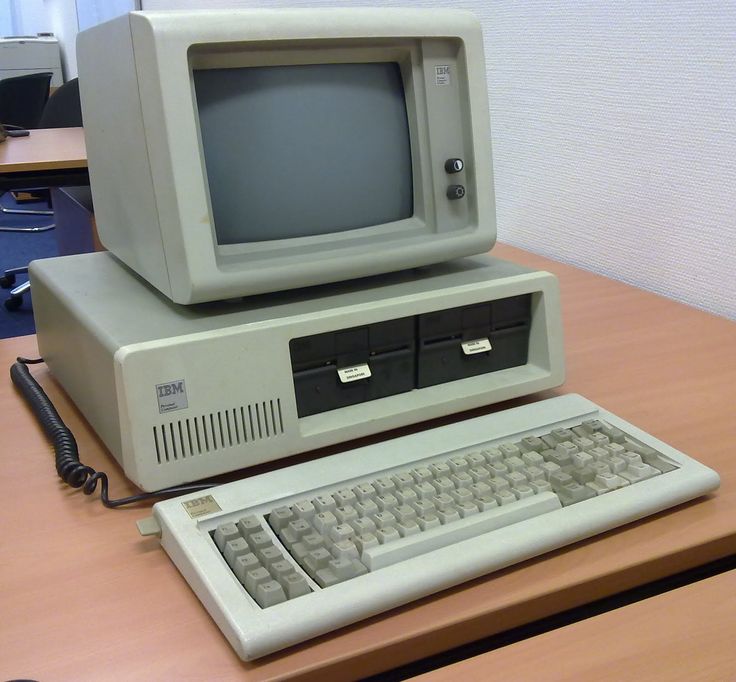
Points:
x=217 y=431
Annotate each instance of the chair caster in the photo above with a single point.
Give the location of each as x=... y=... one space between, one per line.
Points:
x=13 y=302
x=7 y=281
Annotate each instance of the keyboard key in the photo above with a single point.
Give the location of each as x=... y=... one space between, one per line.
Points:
x=254 y=578
x=408 y=527
x=428 y=521
x=295 y=585
x=616 y=435
x=475 y=459
x=346 y=514
x=486 y=502
x=467 y=508
x=304 y=510
x=403 y=480
x=387 y=535
x=343 y=531
x=326 y=578
x=346 y=549
x=366 y=541
x=562 y=435
x=224 y=533
x=243 y=564
x=235 y=548
x=384 y=486
x=425 y=490
x=415 y=545
x=571 y=493
x=294 y=531
x=249 y=525
x=313 y=540
x=367 y=508
x=421 y=474
x=404 y=512
x=363 y=525
x=260 y=540
x=532 y=444
x=387 y=502
x=406 y=495
x=269 y=593
x=345 y=497
x=505 y=497
x=280 y=517
x=269 y=556
x=324 y=521
x=315 y=560
x=364 y=492
x=281 y=569
x=423 y=507
x=458 y=464
x=492 y=455
x=384 y=519
x=448 y=515
x=323 y=503
x=343 y=568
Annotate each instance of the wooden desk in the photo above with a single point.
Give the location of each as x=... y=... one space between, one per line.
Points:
x=686 y=634
x=44 y=149
x=85 y=597
x=50 y=157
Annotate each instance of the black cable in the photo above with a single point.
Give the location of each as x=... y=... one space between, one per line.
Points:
x=68 y=466
x=15 y=131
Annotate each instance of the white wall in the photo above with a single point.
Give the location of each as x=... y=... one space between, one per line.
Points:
x=614 y=133
x=21 y=17
x=67 y=17
x=62 y=15
x=614 y=127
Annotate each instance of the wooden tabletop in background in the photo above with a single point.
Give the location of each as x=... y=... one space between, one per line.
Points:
x=44 y=149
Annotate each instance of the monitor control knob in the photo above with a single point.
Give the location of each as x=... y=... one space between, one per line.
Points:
x=455 y=192
x=454 y=165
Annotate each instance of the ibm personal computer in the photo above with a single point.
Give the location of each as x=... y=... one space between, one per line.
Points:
x=297 y=206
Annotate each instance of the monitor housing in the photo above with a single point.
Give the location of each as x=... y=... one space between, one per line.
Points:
x=239 y=152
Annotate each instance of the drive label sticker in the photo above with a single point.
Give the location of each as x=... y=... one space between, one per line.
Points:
x=348 y=374
x=171 y=396
x=476 y=346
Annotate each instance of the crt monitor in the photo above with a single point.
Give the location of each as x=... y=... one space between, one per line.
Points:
x=236 y=152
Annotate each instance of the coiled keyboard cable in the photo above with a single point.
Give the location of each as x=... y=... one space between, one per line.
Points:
x=68 y=466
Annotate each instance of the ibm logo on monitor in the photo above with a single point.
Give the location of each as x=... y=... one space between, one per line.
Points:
x=171 y=396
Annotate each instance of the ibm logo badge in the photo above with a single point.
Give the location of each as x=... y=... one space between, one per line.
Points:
x=171 y=396
x=442 y=74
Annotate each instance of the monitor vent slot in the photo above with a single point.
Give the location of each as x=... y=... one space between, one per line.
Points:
x=217 y=431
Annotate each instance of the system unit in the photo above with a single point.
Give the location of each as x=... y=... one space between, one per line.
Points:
x=182 y=393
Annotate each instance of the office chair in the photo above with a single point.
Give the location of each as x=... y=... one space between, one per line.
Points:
x=22 y=102
x=23 y=98
x=63 y=110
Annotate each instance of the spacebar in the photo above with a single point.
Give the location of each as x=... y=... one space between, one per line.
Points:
x=457 y=531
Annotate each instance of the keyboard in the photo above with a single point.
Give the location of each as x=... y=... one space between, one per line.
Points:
x=287 y=555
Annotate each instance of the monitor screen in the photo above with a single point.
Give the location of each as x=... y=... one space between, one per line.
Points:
x=301 y=150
